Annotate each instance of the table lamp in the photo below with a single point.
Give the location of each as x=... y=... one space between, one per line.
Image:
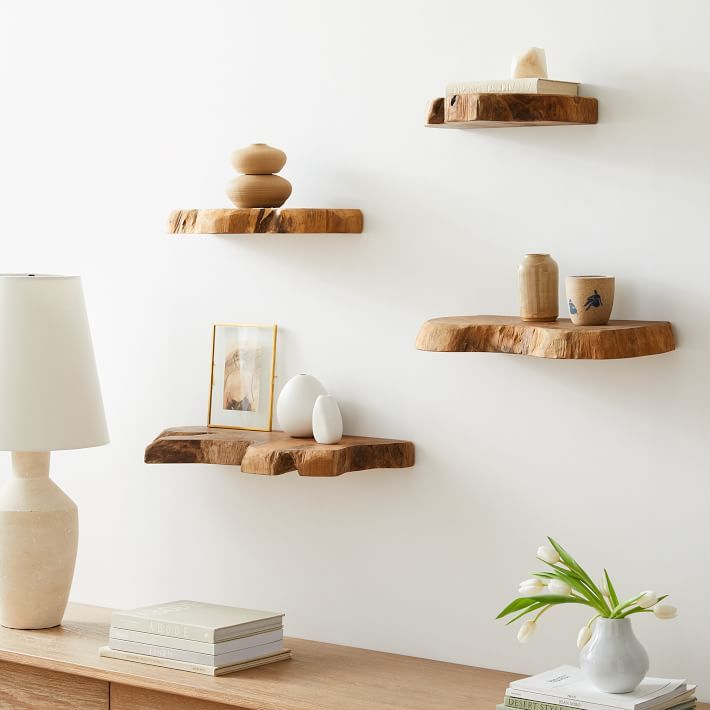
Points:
x=49 y=400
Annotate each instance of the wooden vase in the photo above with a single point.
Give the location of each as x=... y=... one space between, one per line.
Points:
x=258 y=159
x=258 y=190
x=538 y=280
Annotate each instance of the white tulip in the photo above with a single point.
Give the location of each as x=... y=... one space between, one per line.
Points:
x=548 y=554
x=585 y=633
x=526 y=631
x=647 y=599
x=665 y=611
x=530 y=587
x=604 y=588
x=557 y=586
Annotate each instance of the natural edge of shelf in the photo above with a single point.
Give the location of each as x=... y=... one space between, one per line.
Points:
x=509 y=110
x=273 y=453
x=266 y=220
x=557 y=340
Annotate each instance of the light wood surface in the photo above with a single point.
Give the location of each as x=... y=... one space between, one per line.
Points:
x=266 y=220
x=26 y=688
x=125 y=697
x=510 y=110
x=558 y=340
x=319 y=677
x=273 y=453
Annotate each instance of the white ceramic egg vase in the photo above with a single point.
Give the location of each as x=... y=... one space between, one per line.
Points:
x=327 y=420
x=294 y=407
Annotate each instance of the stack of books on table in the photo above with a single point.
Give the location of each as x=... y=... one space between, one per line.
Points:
x=197 y=637
x=567 y=687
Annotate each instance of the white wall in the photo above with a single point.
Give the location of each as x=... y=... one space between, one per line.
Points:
x=114 y=114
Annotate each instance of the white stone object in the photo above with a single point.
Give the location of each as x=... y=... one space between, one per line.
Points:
x=49 y=399
x=614 y=660
x=294 y=408
x=529 y=64
x=327 y=420
x=39 y=533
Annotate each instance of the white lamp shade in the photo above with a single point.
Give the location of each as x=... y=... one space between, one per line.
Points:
x=49 y=389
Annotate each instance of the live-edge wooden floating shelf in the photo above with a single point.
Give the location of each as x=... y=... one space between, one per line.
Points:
x=556 y=340
x=266 y=220
x=510 y=110
x=273 y=453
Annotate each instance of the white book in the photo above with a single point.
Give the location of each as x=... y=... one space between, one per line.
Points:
x=205 y=659
x=107 y=652
x=196 y=621
x=213 y=649
x=513 y=86
x=567 y=685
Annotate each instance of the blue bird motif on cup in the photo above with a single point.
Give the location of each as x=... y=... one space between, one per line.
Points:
x=572 y=307
x=593 y=301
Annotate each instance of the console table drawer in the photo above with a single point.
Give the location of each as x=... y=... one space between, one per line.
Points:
x=28 y=688
x=126 y=697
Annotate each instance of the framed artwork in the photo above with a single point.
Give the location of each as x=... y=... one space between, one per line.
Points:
x=242 y=377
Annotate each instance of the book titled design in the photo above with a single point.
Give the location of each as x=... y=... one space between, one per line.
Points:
x=107 y=652
x=196 y=621
x=218 y=661
x=212 y=649
x=513 y=86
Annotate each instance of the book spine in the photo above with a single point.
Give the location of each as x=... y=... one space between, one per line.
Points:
x=524 y=704
x=562 y=702
x=149 y=626
x=212 y=649
x=107 y=652
x=506 y=86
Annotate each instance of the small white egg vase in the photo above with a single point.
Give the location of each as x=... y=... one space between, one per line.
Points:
x=327 y=420
x=294 y=408
x=614 y=660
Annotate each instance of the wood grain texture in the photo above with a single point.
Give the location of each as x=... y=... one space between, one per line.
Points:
x=26 y=688
x=126 y=697
x=319 y=677
x=510 y=110
x=273 y=453
x=558 y=340
x=266 y=220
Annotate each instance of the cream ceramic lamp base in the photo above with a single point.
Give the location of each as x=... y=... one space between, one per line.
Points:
x=39 y=532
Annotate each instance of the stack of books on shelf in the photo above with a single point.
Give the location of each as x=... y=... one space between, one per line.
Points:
x=197 y=637
x=567 y=687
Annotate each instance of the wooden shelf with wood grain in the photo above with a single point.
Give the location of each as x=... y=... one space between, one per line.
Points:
x=273 y=453
x=60 y=669
x=266 y=220
x=511 y=110
x=557 y=340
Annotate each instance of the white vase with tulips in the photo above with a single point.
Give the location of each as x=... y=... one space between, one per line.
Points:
x=612 y=656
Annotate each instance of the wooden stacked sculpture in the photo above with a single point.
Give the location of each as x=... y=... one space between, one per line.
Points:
x=258 y=186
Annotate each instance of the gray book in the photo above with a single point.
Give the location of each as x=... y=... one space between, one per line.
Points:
x=213 y=649
x=106 y=652
x=196 y=621
x=205 y=659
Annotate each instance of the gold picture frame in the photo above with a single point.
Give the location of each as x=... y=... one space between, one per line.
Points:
x=242 y=372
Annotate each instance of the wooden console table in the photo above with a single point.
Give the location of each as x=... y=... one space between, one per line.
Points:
x=60 y=669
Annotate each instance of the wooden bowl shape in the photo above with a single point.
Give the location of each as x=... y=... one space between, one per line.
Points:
x=258 y=159
x=258 y=190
